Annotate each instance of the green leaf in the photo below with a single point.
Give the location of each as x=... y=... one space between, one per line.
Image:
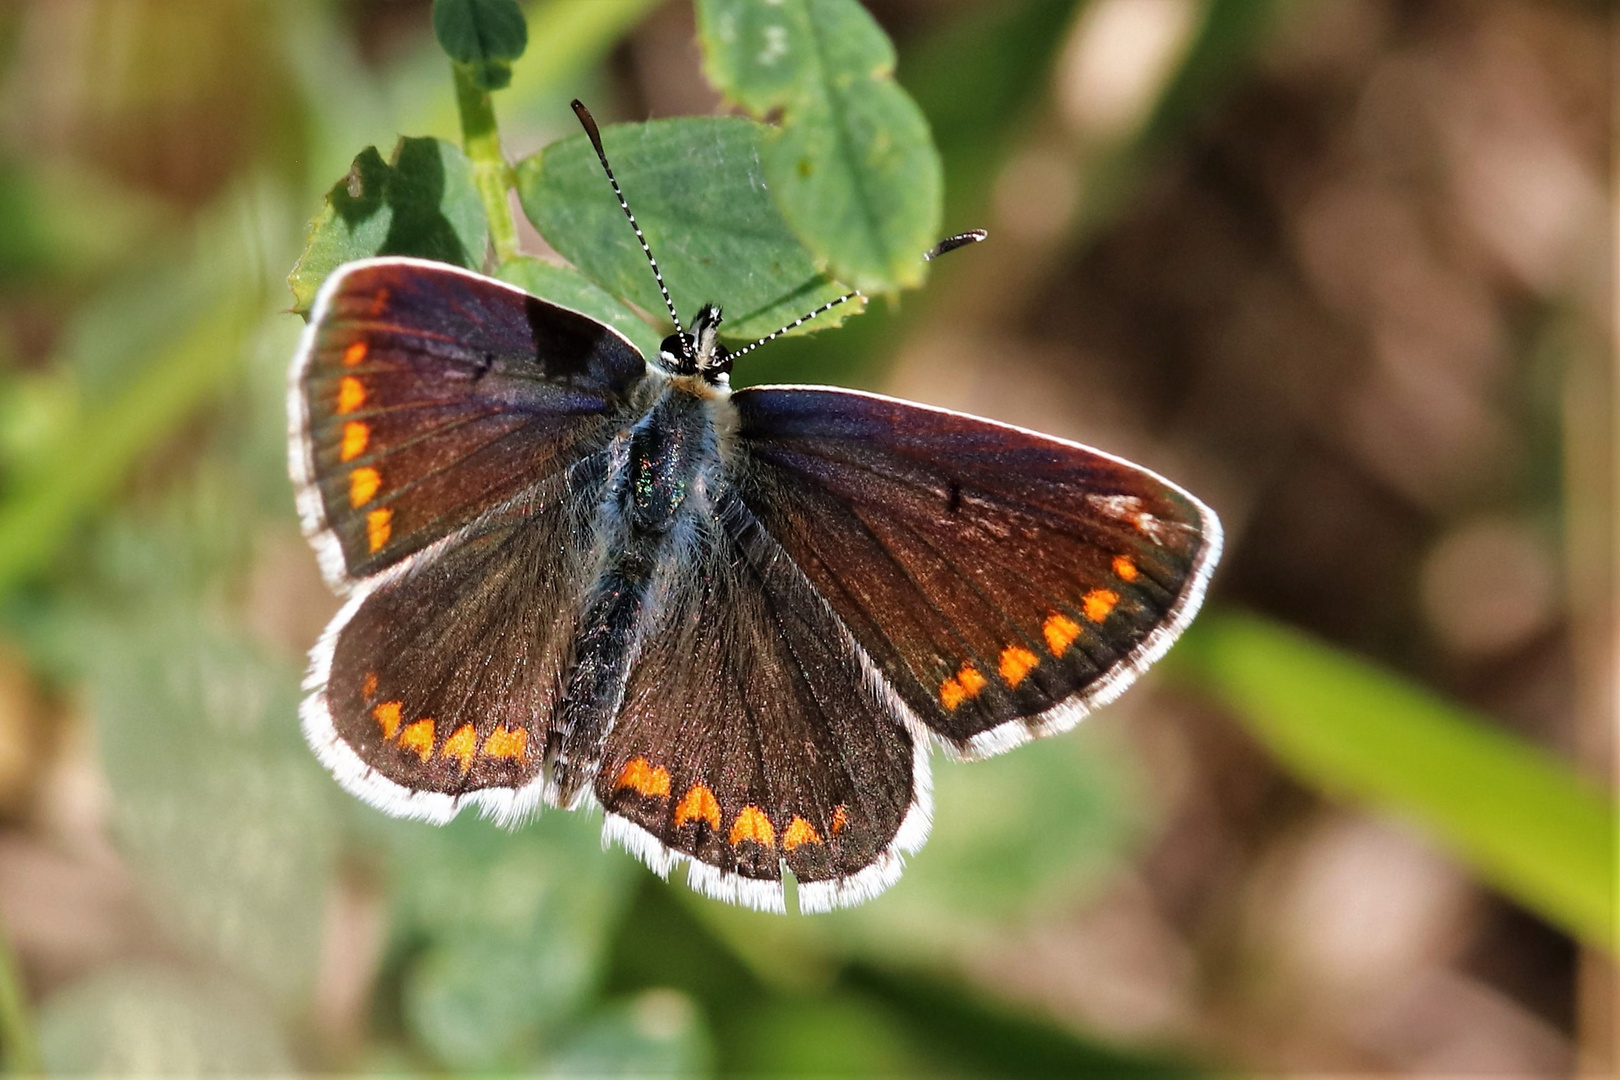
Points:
x=424 y=203
x=515 y=926
x=852 y=165
x=932 y=1023
x=484 y=35
x=985 y=866
x=698 y=191
x=567 y=41
x=1526 y=822
x=573 y=290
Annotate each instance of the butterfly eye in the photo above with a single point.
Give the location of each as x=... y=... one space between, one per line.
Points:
x=678 y=352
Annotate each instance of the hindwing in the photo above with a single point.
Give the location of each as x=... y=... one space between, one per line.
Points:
x=754 y=735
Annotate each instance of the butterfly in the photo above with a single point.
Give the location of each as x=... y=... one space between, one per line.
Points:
x=737 y=621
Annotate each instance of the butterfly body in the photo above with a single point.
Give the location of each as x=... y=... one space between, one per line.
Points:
x=737 y=622
x=657 y=509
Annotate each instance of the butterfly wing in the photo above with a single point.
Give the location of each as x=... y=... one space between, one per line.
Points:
x=450 y=444
x=434 y=685
x=1003 y=582
x=753 y=733
x=424 y=394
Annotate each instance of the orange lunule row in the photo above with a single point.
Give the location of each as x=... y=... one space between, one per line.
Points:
x=462 y=744
x=365 y=481
x=700 y=805
x=1059 y=631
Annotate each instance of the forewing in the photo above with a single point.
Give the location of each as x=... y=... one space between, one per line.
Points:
x=424 y=394
x=436 y=682
x=753 y=733
x=1003 y=581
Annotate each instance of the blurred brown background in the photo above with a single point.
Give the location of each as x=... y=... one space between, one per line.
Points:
x=1351 y=281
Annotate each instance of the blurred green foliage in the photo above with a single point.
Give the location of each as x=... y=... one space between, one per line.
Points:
x=143 y=1020
x=535 y=950
x=1524 y=820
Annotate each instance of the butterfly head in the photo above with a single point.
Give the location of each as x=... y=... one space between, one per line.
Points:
x=698 y=351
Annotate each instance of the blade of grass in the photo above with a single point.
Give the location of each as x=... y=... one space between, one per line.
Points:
x=1527 y=823
x=93 y=455
x=19 y=1050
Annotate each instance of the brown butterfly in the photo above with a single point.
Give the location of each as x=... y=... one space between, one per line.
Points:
x=737 y=621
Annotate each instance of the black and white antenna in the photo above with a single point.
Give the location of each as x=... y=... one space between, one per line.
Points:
x=800 y=321
x=950 y=243
x=589 y=123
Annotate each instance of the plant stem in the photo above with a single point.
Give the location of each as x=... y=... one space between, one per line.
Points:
x=19 y=1053
x=481 y=140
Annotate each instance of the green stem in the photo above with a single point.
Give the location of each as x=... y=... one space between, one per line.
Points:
x=481 y=139
x=18 y=1050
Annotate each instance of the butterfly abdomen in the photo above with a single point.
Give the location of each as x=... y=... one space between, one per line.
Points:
x=653 y=498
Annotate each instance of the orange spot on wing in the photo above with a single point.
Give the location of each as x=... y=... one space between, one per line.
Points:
x=1099 y=602
x=1017 y=662
x=351 y=394
x=418 y=736
x=355 y=437
x=840 y=819
x=354 y=354
x=963 y=685
x=379 y=303
x=647 y=779
x=752 y=824
x=1060 y=631
x=379 y=526
x=363 y=484
x=387 y=716
x=368 y=686
x=698 y=804
x=799 y=832
x=460 y=745
x=506 y=742
x=1124 y=569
